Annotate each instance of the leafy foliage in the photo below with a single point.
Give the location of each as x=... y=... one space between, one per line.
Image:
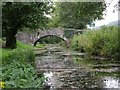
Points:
x=17 y=15
x=19 y=75
x=22 y=53
x=18 y=68
x=77 y=14
x=23 y=14
x=103 y=42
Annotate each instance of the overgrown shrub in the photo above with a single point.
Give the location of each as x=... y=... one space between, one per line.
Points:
x=21 y=75
x=23 y=53
x=102 y=42
x=17 y=68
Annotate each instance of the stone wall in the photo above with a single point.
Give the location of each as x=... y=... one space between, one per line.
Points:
x=30 y=38
x=25 y=37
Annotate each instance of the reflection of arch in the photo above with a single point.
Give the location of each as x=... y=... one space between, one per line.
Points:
x=62 y=38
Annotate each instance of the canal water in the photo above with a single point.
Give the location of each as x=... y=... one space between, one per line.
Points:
x=66 y=69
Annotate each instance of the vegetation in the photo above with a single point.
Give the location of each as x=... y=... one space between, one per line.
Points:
x=40 y=46
x=17 y=68
x=76 y=14
x=22 y=53
x=51 y=39
x=21 y=75
x=103 y=42
x=18 y=15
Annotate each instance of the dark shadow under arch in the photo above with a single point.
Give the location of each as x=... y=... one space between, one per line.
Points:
x=48 y=36
x=79 y=32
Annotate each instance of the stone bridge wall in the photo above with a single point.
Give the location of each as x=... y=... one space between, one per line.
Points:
x=25 y=37
x=30 y=38
x=56 y=32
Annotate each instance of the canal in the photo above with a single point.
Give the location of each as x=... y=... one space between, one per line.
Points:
x=67 y=69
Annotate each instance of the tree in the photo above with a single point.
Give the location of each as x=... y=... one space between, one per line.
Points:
x=76 y=14
x=17 y=15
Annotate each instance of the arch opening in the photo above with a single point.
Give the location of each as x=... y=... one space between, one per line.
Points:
x=41 y=38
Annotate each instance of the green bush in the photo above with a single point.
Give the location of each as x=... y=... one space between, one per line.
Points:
x=102 y=42
x=17 y=68
x=23 y=53
x=19 y=75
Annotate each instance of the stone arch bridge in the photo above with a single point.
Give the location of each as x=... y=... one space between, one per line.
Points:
x=63 y=34
x=54 y=32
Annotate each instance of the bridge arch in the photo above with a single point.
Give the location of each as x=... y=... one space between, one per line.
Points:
x=62 y=38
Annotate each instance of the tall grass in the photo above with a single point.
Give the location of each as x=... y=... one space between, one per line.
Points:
x=102 y=42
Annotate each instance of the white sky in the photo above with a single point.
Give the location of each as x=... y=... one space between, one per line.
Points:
x=110 y=16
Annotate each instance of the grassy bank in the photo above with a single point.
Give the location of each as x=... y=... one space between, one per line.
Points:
x=18 y=68
x=23 y=53
x=102 y=42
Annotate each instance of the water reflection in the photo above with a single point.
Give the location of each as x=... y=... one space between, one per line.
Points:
x=110 y=82
x=52 y=79
x=68 y=70
x=49 y=78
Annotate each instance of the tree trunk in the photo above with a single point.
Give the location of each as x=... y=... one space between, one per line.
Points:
x=11 y=39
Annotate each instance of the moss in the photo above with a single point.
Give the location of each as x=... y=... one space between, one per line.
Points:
x=115 y=74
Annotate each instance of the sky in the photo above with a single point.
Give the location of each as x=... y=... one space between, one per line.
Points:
x=110 y=16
